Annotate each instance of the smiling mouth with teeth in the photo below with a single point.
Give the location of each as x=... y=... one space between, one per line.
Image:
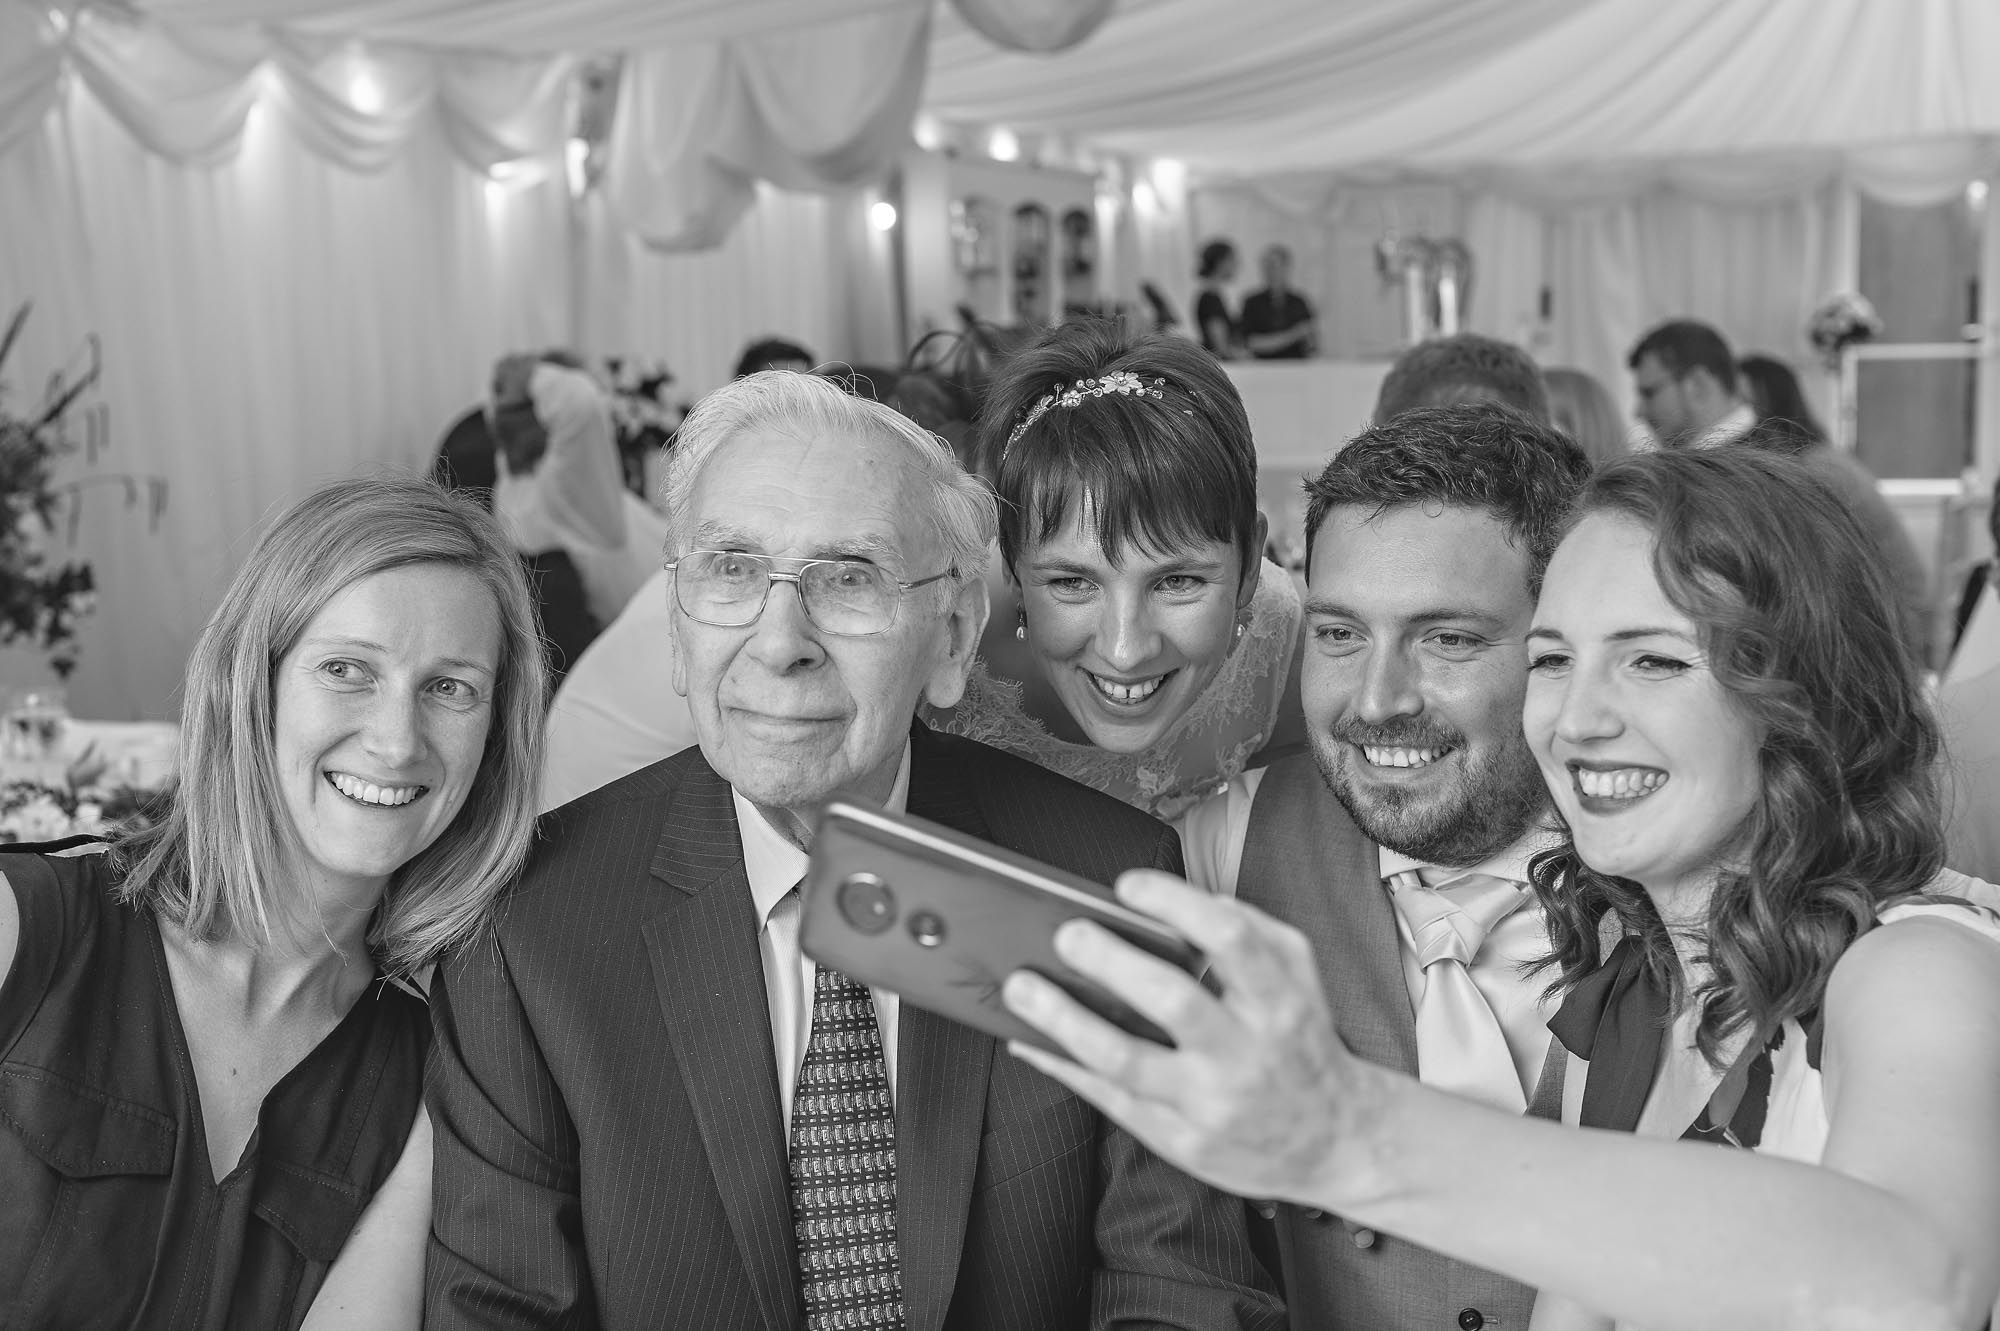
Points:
x=367 y=792
x=1392 y=755
x=1127 y=695
x=1618 y=783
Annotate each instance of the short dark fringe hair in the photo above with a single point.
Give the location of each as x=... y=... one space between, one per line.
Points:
x=1798 y=620
x=1680 y=345
x=1524 y=472
x=1461 y=370
x=1159 y=473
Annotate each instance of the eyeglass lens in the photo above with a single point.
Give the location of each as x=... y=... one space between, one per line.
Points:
x=729 y=590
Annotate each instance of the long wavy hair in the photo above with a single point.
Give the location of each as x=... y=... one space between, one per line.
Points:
x=223 y=860
x=1797 y=619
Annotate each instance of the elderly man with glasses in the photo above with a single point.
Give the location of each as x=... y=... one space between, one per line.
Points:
x=651 y=1108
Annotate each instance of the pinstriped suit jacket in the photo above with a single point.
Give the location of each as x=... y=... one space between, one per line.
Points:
x=609 y=1144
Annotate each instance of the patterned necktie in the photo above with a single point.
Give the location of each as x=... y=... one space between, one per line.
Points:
x=1461 y=1046
x=844 y=1166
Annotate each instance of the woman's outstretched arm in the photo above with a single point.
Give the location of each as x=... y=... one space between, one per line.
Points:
x=1261 y=1098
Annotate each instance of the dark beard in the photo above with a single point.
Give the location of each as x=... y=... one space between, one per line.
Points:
x=1489 y=806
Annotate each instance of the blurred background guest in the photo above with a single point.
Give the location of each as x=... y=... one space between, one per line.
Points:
x=1970 y=710
x=561 y=498
x=1461 y=369
x=1221 y=336
x=1786 y=424
x=216 y=1113
x=1692 y=395
x=773 y=353
x=1584 y=409
x=1685 y=378
x=1278 y=323
x=1143 y=646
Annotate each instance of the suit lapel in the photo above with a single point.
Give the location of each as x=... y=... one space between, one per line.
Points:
x=942 y=1069
x=710 y=976
x=1305 y=861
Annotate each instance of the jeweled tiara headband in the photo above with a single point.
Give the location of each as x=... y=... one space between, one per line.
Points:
x=1118 y=381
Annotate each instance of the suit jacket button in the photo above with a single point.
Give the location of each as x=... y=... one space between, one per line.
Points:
x=1470 y=1319
x=1314 y=1213
x=1364 y=1238
x=1269 y=1210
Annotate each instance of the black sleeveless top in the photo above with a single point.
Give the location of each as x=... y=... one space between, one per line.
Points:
x=110 y=1215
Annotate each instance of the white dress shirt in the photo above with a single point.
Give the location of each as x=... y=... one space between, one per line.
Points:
x=1212 y=836
x=775 y=866
x=1738 y=421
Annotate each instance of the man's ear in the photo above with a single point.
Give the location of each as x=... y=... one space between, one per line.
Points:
x=1253 y=566
x=964 y=620
x=677 y=659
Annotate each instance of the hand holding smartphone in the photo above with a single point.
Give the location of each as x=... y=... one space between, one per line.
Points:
x=942 y=919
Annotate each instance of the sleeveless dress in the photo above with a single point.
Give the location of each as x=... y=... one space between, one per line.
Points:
x=1231 y=720
x=1773 y=1102
x=112 y=1216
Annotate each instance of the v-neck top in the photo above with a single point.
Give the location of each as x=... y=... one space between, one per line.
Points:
x=113 y=1215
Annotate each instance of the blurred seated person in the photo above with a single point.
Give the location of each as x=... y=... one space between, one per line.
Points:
x=1461 y=369
x=1786 y=424
x=1584 y=409
x=1143 y=645
x=1969 y=713
x=773 y=353
x=1277 y=322
x=561 y=498
x=1221 y=335
x=945 y=408
x=213 y=1112
x=467 y=458
x=1969 y=705
x=613 y=712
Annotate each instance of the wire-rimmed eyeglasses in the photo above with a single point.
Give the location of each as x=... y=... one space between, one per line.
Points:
x=728 y=589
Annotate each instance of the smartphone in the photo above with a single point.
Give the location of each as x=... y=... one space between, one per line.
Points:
x=942 y=919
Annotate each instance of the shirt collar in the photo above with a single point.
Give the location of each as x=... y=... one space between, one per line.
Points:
x=1739 y=420
x=1511 y=863
x=774 y=865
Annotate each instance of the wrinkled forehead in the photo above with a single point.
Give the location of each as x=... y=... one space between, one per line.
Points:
x=835 y=494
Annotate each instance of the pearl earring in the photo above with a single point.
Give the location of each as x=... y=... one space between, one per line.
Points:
x=1021 y=624
x=1240 y=626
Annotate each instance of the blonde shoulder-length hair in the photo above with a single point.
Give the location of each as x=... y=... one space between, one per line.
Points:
x=220 y=861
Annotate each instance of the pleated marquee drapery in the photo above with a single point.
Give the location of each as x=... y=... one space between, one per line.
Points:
x=304 y=228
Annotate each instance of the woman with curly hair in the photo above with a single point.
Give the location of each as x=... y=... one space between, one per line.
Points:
x=1759 y=946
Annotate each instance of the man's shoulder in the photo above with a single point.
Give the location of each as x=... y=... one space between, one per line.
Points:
x=1031 y=809
x=597 y=850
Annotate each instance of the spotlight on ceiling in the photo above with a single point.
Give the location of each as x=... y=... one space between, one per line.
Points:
x=1002 y=146
x=882 y=215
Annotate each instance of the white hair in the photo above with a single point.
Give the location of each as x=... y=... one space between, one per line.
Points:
x=962 y=512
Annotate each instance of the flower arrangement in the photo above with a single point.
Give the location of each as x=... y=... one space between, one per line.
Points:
x=38 y=811
x=40 y=603
x=640 y=413
x=1840 y=322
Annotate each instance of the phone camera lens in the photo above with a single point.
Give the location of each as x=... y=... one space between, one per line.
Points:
x=927 y=929
x=867 y=903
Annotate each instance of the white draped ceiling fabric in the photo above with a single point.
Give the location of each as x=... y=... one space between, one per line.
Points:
x=304 y=228
x=1638 y=160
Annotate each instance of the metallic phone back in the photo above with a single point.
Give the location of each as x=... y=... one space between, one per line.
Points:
x=960 y=915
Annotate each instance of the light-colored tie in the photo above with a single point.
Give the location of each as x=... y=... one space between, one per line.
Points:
x=1460 y=1045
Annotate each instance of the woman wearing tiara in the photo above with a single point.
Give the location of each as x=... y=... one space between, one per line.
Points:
x=1152 y=645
